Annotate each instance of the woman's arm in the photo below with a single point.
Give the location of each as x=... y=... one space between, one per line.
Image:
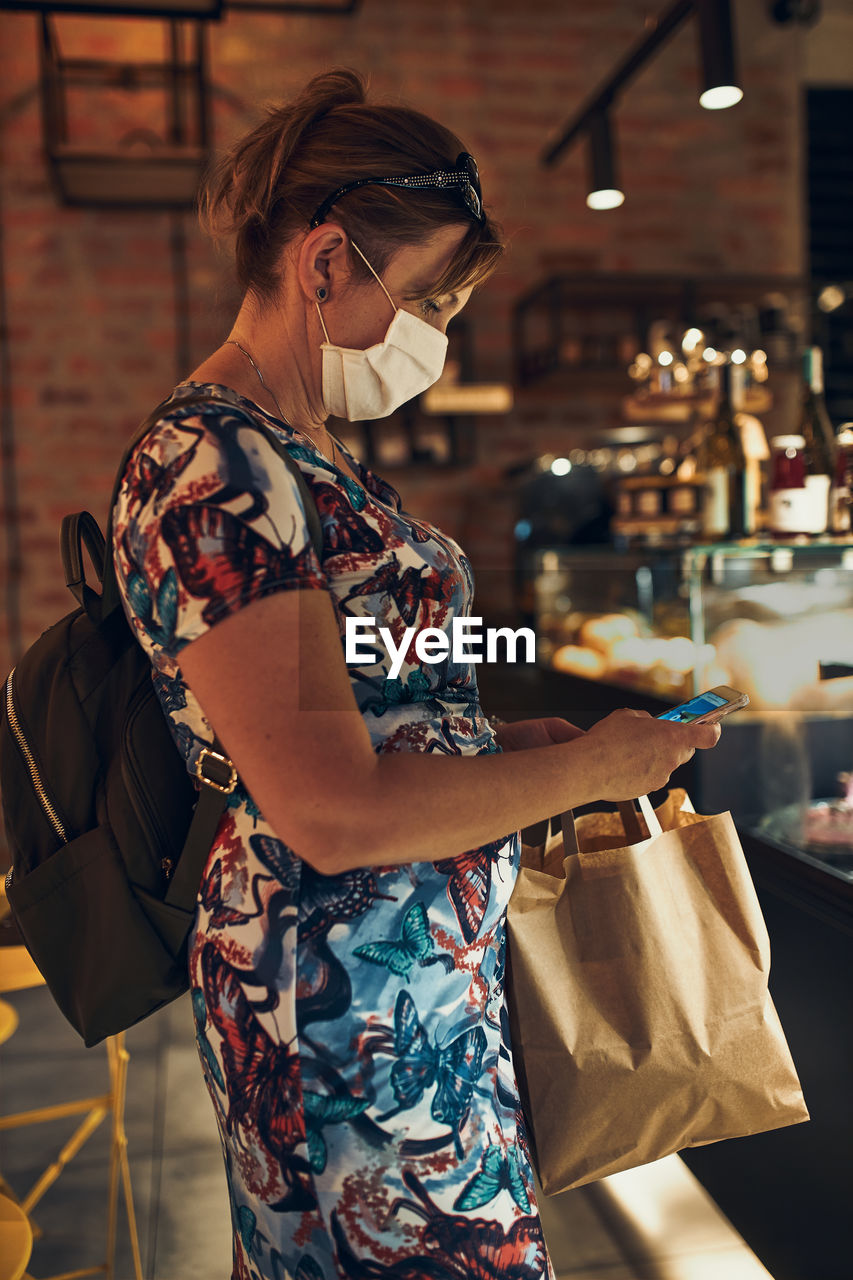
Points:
x=273 y=683
x=521 y=735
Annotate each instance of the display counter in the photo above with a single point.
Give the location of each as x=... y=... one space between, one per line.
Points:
x=787 y=1192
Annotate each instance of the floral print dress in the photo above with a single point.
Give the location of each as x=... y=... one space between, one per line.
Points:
x=351 y=1028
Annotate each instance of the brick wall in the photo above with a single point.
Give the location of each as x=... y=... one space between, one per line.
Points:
x=91 y=295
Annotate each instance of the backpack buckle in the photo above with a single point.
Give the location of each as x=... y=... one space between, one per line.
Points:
x=219 y=783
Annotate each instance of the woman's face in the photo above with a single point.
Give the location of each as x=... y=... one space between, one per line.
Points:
x=363 y=312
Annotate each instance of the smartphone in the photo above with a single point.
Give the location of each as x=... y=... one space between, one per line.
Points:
x=709 y=707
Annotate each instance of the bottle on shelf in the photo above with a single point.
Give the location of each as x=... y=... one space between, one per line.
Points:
x=722 y=463
x=816 y=429
x=841 y=493
x=789 y=503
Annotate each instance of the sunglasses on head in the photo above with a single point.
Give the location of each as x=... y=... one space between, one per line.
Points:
x=463 y=181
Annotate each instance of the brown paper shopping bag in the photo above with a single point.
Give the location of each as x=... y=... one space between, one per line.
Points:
x=639 y=1010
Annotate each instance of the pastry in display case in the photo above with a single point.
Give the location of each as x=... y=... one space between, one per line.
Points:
x=622 y=618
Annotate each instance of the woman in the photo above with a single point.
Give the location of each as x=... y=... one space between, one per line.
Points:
x=348 y=959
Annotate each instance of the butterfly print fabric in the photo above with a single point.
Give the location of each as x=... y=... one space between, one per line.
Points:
x=351 y=1028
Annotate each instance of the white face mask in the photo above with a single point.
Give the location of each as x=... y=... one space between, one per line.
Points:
x=360 y=385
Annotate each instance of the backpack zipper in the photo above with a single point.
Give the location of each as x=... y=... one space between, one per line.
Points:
x=29 y=759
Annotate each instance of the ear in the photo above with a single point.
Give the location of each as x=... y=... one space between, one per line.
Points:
x=323 y=260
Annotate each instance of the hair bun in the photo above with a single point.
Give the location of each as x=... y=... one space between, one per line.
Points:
x=242 y=189
x=340 y=87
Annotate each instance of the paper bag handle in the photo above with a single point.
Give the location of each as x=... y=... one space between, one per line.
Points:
x=570 y=836
x=630 y=821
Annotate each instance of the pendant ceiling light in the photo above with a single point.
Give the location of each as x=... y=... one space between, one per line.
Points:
x=604 y=189
x=721 y=88
x=720 y=83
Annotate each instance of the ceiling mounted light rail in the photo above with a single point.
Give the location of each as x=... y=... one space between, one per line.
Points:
x=720 y=88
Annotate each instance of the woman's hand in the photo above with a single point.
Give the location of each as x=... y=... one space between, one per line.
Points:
x=639 y=752
x=524 y=734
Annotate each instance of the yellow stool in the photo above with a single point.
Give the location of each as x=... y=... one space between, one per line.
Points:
x=8 y=1021
x=18 y=971
x=16 y=1240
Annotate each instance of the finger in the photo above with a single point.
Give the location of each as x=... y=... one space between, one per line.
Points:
x=706 y=736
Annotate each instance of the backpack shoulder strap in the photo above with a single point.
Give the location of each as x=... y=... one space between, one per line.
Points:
x=110 y=596
x=212 y=800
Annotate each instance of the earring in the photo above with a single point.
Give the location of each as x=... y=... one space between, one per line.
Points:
x=322 y=293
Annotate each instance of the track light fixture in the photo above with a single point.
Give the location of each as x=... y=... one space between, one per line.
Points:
x=721 y=87
x=604 y=189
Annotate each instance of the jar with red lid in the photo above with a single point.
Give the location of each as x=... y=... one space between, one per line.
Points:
x=790 y=506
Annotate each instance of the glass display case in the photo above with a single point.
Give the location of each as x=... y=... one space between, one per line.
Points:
x=647 y=630
x=772 y=619
x=622 y=618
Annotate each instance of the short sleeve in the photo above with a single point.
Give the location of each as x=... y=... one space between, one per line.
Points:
x=209 y=519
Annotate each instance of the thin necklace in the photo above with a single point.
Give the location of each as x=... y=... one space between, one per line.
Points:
x=234 y=343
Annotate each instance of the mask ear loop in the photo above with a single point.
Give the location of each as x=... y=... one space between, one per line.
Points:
x=378 y=280
x=322 y=322
x=374 y=274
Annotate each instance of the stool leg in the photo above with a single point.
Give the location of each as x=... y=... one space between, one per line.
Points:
x=119 y=1164
x=112 y=1202
x=52 y=1172
x=131 y=1215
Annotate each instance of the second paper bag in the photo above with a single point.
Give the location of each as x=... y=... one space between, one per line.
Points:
x=639 y=1008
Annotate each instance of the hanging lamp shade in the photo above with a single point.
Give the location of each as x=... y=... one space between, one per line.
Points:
x=720 y=81
x=604 y=190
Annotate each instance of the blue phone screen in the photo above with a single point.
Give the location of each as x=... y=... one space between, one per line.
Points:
x=696 y=707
